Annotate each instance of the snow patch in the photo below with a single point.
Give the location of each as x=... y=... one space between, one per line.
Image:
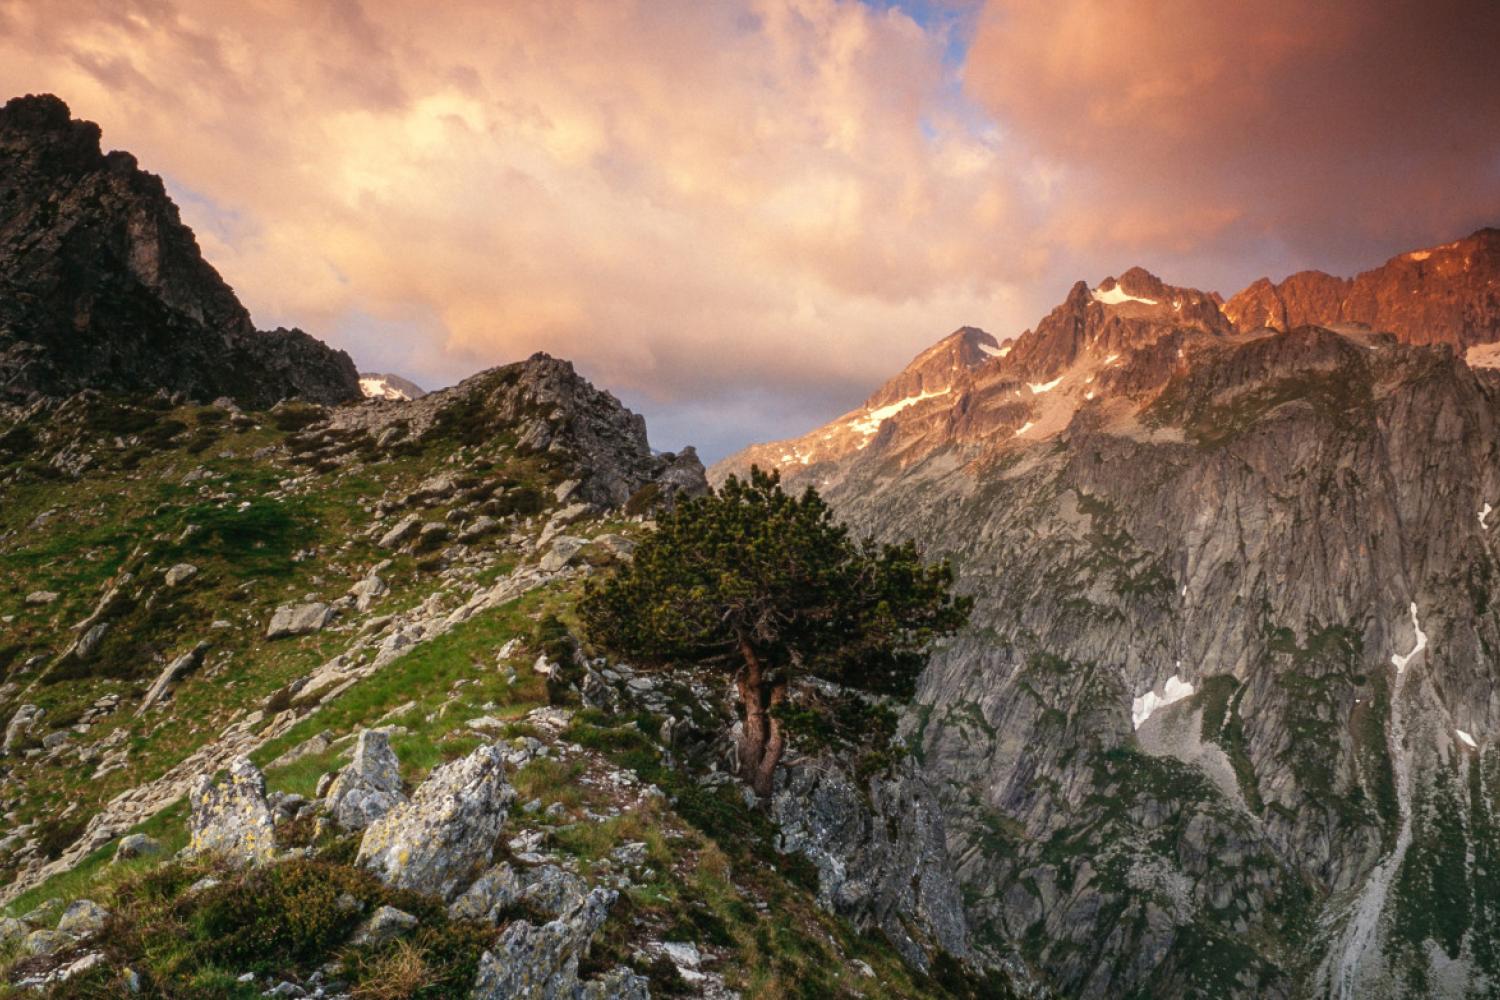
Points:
x=1175 y=690
x=1023 y=428
x=1117 y=295
x=995 y=352
x=1466 y=738
x=1419 y=255
x=1112 y=359
x=871 y=421
x=1484 y=513
x=1399 y=661
x=1037 y=388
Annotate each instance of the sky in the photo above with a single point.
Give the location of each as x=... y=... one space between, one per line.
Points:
x=741 y=216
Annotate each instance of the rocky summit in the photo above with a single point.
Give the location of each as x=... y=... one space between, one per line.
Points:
x=102 y=287
x=1223 y=721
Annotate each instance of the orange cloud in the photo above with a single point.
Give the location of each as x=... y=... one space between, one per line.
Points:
x=682 y=196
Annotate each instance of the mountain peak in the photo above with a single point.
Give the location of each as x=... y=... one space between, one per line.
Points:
x=1440 y=294
x=938 y=367
x=105 y=288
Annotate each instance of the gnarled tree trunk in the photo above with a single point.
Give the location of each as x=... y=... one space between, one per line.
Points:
x=761 y=741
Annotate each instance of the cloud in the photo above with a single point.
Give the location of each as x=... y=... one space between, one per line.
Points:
x=687 y=198
x=1180 y=127
x=734 y=214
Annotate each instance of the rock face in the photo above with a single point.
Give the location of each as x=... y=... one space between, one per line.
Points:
x=232 y=817
x=1227 y=677
x=532 y=962
x=370 y=787
x=551 y=410
x=881 y=853
x=438 y=842
x=103 y=287
x=1448 y=294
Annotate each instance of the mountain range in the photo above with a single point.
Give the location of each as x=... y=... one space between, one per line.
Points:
x=1223 y=722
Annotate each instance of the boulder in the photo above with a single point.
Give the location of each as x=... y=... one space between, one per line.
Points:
x=39 y=597
x=489 y=897
x=88 y=644
x=232 y=817
x=564 y=548
x=298 y=619
x=11 y=931
x=531 y=962
x=174 y=672
x=385 y=924
x=478 y=528
x=138 y=845
x=404 y=529
x=368 y=590
x=370 y=786
x=45 y=942
x=19 y=728
x=437 y=841
x=83 y=918
x=180 y=574
x=557 y=522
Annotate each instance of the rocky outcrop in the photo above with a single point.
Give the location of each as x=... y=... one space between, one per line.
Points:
x=103 y=287
x=370 y=786
x=1448 y=294
x=532 y=962
x=298 y=619
x=550 y=410
x=231 y=818
x=880 y=850
x=440 y=840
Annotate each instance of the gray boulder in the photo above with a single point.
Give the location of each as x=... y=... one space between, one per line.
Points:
x=11 y=931
x=138 y=845
x=436 y=842
x=298 y=619
x=529 y=962
x=83 y=918
x=404 y=529
x=564 y=548
x=370 y=786
x=385 y=924
x=174 y=672
x=41 y=597
x=180 y=574
x=45 y=942
x=19 y=728
x=232 y=818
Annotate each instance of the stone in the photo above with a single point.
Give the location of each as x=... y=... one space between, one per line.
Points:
x=174 y=672
x=564 y=548
x=298 y=619
x=40 y=597
x=314 y=745
x=44 y=914
x=83 y=918
x=138 y=845
x=180 y=574
x=438 y=841
x=88 y=644
x=570 y=514
x=18 y=730
x=531 y=962
x=370 y=786
x=478 y=528
x=487 y=899
x=385 y=924
x=45 y=942
x=368 y=590
x=404 y=529
x=11 y=931
x=232 y=818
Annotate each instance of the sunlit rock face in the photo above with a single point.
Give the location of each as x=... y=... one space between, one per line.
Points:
x=1447 y=294
x=1228 y=678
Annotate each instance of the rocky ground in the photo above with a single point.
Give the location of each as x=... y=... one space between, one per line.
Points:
x=294 y=707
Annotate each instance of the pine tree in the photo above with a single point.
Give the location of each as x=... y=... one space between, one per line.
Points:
x=772 y=587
